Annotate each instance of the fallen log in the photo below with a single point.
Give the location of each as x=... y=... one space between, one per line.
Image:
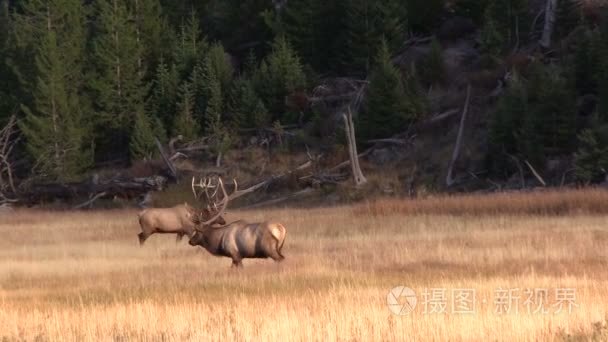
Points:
x=69 y=192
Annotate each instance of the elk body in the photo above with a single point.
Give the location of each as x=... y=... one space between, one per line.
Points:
x=239 y=240
x=180 y=219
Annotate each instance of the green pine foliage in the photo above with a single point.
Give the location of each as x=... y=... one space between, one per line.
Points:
x=142 y=144
x=279 y=75
x=433 y=69
x=165 y=92
x=505 y=124
x=568 y=16
x=591 y=158
x=247 y=109
x=473 y=9
x=119 y=85
x=219 y=63
x=587 y=61
x=185 y=123
x=505 y=23
x=534 y=120
x=9 y=86
x=423 y=14
x=389 y=107
x=366 y=24
x=191 y=45
x=55 y=126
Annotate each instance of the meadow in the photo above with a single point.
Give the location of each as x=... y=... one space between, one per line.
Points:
x=533 y=268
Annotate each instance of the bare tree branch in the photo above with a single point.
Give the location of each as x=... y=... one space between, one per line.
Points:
x=540 y=179
x=545 y=40
x=352 y=149
x=449 y=180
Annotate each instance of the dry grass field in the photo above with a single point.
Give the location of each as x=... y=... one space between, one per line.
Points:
x=81 y=276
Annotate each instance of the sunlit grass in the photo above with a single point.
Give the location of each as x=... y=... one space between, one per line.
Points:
x=77 y=276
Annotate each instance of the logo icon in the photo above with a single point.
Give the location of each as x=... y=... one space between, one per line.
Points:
x=401 y=300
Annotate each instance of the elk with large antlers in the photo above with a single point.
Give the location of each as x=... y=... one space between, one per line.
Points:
x=239 y=240
x=180 y=219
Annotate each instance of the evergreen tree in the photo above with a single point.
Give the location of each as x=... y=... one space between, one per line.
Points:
x=185 y=123
x=473 y=9
x=218 y=60
x=312 y=28
x=423 y=14
x=151 y=32
x=8 y=84
x=433 y=68
x=55 y=126
x=246 y=107
x=191 y=45
x=568 y=17
x=366 y=24
x=142 y=145
x=221 y=137
x=237 y=23
x=587 y=61
x=279 y=75
x=120 y=88
x=388 y=107
x=55 y=129
x=505 y=124
x=164 y=93
x=505 y=22
x=591 y=158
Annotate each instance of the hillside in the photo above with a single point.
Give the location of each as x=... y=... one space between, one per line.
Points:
x=256 y=91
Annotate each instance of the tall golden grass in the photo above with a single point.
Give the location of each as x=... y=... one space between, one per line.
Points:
x=81 y=276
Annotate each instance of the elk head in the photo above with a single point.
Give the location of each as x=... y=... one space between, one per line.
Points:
x=210 y=211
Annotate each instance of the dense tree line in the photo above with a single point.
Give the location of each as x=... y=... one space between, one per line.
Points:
x=99 y=80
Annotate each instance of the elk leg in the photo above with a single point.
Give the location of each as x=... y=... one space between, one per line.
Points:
x=237 y=263
x=179 y=237
x=142 y=238
x=275 y=254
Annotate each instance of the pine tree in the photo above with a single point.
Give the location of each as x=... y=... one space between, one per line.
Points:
x=8 y=85
x=366 y=24
x=388 y=107
x=217 y=59
x=423 y=14
x=55 y=126
x=505 y=22
x=587 y=61
x=433 y=68
x=279 y=75
x=164 y=93
x=151 y=30
x=312 y=28
x=142 y=145
x=568 y=17
x=221 y=137
x=191 y=45
x=591 y=158
x=505 y=125
x=246 y=107
x=185 y=123
x=120 y=87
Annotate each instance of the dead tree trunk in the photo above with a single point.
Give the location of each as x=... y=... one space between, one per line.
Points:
x=449 y=180
x=358 y=176
x=545 y=40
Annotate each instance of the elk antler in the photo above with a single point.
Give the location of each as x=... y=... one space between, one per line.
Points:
x=223 y=205
x=220 y=207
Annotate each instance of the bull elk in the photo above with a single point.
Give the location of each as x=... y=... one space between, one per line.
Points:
x=180 y=219
x=239 y=240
